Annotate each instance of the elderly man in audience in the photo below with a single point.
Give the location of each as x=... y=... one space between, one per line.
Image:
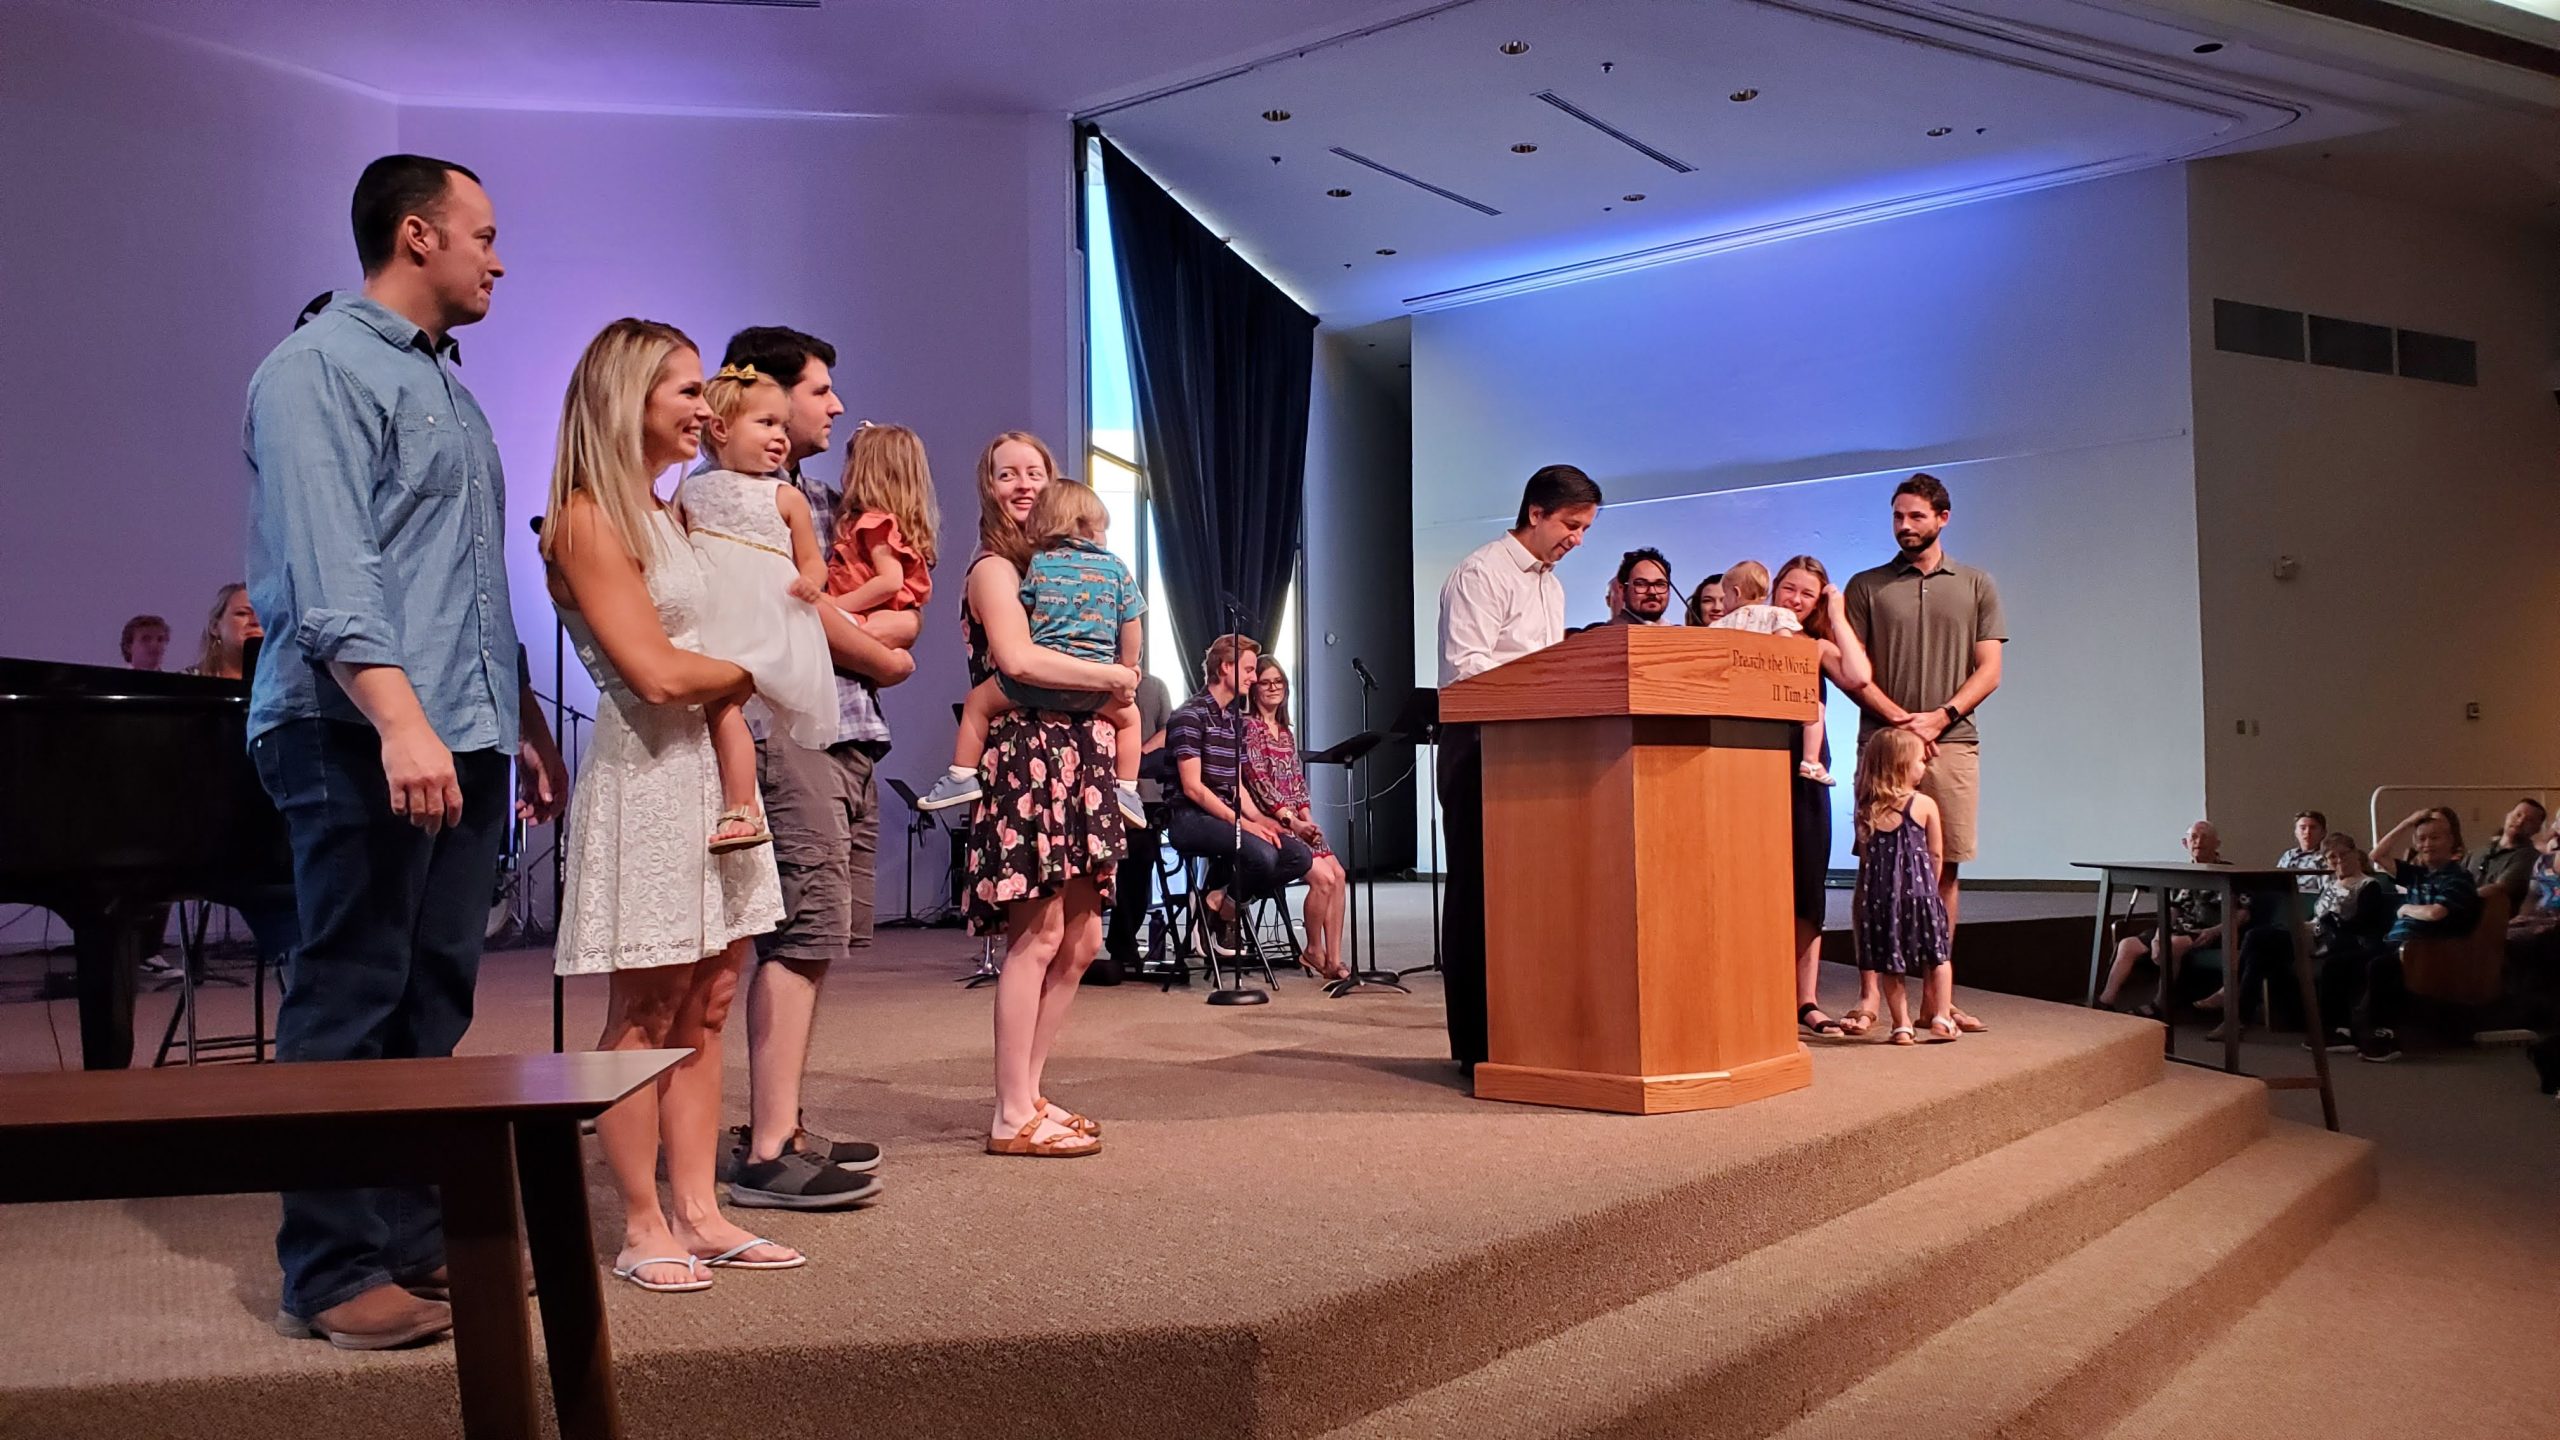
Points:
x=2192 y=919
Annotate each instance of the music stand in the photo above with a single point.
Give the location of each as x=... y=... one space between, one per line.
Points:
x=1353 y=755
x=918 y=824
x=1418 y=721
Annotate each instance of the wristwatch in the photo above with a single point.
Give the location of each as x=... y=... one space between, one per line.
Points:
x=1954 y=715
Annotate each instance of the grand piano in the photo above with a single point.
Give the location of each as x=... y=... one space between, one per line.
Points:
x=122 y=792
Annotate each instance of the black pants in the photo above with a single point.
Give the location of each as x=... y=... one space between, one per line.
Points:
x=2266 y=959
x=391 y=920
x=2366 y=972
x=1130 y=897
x=1462 y=925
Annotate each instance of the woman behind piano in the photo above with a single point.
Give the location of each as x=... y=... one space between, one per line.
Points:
x=227 y=633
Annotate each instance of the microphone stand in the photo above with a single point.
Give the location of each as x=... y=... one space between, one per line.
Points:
x=1365 y=974
x=1239 y=994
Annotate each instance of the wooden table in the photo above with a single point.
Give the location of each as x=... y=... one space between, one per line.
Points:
x=2230 y=882
x=484 y=1128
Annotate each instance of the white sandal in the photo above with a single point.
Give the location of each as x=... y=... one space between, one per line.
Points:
x=1902 y=1035
x=1943 y=1028
x=730 y=1257
x=747 y=814
x=692 y=1268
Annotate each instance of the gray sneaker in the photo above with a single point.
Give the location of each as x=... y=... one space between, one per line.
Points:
x=948 y=791
x=800 y=1180
x=1132 y=809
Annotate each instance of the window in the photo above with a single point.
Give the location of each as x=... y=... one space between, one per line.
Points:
x=1116 y=470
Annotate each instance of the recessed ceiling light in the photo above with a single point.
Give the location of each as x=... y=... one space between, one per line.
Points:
x=1740 y=97
x=1524 y=148
x=2209 y=47
x=1339 y=193
x=1631 y=199
x=1275 y=116
x=1515 y=47
x=1386 y=252
x=1936 y=131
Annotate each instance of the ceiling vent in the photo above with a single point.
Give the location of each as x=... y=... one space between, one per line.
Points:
x=1613 y=132
x=1393 y=173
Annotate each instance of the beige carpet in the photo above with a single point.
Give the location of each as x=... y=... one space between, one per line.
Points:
x=1300 y=1222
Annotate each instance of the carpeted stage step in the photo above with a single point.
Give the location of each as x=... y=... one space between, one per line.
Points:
x=2078 y=1346
x=1303 y=1229
x=1747 y=1347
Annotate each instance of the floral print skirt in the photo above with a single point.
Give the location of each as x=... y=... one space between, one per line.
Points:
x=1048 y=815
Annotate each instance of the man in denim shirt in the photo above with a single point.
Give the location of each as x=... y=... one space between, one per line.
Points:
x=386 y=701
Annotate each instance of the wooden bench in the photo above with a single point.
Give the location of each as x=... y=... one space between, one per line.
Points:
x=487 y=1129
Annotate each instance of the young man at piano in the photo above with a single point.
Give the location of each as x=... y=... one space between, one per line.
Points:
x=387 y=702
x=1502 y=602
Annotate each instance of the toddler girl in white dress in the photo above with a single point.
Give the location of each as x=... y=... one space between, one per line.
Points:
x=763 y=576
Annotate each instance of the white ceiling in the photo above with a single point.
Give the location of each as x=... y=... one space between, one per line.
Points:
x=874 y=57
x=2028 y=92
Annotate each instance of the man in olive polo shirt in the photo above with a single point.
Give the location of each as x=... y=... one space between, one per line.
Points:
x=1933 y=629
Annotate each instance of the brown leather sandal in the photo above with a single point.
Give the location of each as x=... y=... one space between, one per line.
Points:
x=1965 y=1022
x=1074 y=1121
x=1062 y=1147
x=1856 y=1023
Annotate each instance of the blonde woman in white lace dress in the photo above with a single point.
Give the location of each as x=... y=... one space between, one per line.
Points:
x=647 y=904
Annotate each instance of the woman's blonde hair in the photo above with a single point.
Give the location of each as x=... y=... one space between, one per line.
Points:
x=885 y=470
x=997 y=532
x=1750 y=580
x=1818 y=623
x=725 y=394
x=1889 y=770
x=1067 y=510
x=602 y=452
x=210 y=654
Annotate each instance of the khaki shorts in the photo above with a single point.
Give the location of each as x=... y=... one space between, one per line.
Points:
x=1954 y=780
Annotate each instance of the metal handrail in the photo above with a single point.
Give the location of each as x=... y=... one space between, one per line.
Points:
x=2373 y=804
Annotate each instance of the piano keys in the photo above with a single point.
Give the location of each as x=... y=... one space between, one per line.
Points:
x=122 y=792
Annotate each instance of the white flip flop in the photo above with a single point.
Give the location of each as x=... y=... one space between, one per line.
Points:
x=691 y=1264
x=728 y=1259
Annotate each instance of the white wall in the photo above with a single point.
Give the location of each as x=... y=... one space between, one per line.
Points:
x=168 y=208
x=2425 y=517
x=1358 y=584
x=2031 y=352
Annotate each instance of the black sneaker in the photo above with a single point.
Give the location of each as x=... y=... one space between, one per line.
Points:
x=860 y=1156
x=2381 y=1048
x=800 y=1180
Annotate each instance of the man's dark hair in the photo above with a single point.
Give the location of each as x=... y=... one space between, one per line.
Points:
x=1927 y=487
x=2538 y=807
x=778 y=351
x=1553 y=488
x=1628 y=562
x=391 y=190
x=2314 y=816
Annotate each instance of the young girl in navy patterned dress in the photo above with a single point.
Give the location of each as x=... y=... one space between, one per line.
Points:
x=1897 y=916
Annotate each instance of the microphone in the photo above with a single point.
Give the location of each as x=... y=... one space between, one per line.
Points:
x=1360 y=669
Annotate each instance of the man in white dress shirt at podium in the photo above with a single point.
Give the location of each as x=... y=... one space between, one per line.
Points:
x=1502 y=602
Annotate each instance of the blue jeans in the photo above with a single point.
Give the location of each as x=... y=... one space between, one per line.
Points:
x=1255 y=870
x=391 y=920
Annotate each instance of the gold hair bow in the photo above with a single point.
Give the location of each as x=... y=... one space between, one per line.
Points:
x=743 y=374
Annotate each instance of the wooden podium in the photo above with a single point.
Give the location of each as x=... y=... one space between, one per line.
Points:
x=1639 y=928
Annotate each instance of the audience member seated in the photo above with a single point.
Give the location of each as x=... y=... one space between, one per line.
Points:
x=2507 y=862
x=1214 y=816
x=1279 y=786
x=2309 y=854
x=145 y=642
x=2439 y=899
x=228 y=630
x=1707 y=601
x=2533 y=959
x=2348 y=921
x=1745 y=603
x=2191 y=918
x=1135 y=889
